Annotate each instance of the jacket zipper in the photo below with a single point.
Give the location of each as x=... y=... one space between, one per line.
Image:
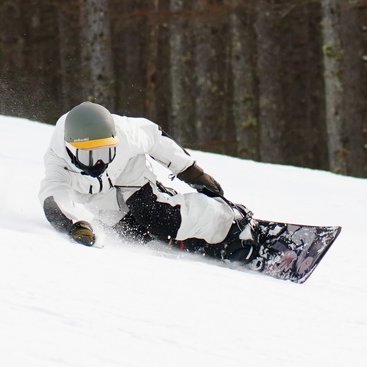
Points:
x=91 y=187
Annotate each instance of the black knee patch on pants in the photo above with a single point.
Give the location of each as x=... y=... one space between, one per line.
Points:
x=161 y=219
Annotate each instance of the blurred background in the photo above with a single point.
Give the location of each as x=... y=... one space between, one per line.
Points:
x=281 y=81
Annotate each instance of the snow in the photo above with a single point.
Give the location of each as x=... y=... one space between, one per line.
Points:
x=63 y=304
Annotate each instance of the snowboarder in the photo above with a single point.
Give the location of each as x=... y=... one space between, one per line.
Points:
x=99 y=160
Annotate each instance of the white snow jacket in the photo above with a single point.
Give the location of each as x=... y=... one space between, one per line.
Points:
x=104 y=196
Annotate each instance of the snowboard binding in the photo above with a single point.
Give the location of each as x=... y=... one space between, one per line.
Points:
x=241 y=244
x=244 y=245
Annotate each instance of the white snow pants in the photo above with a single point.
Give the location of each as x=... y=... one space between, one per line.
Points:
x=181 y=216
x=201 y=216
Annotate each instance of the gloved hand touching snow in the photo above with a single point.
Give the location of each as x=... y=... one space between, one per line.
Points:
x=198 y=179
x=82 y=233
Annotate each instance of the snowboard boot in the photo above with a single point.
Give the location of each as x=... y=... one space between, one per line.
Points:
x=240 y=243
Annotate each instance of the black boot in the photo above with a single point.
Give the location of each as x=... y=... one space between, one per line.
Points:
x=240 y=243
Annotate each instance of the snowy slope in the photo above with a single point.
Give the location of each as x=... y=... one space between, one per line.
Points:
x=67 y=305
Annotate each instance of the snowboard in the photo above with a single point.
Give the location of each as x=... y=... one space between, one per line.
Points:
x=286 y=251
x=291 y=251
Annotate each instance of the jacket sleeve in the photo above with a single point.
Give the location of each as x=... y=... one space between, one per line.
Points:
x=55 y=193
x=55 y=215
x=167 y=152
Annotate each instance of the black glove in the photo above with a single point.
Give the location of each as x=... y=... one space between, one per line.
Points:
x=82 y=233
x=199 y=180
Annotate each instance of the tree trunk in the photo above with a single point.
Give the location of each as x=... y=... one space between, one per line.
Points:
x=363 y=29
x=131 y=34
x=11 y=59
x=243 y=68
x=162 y=77
x=210 y=74
x=333 y=58
x=97 y=68
x=304 y=137
x=181 y=76
x=68 y=25
x=151 y=59
x=271 y=115
x=353 y=102
x=314 y=138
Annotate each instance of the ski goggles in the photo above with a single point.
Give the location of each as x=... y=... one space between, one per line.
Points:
x=89 y=157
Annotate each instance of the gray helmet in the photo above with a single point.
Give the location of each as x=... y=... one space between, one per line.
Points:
x=90 y=126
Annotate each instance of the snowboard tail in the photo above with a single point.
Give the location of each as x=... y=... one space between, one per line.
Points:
x=291 y=251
